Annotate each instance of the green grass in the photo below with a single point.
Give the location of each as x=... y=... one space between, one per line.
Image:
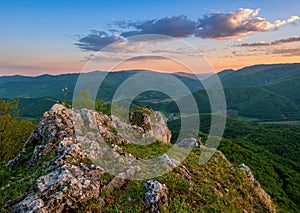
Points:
x=146 y=151
x=205 y=192
x=247 y=119
x=16 y=183
x=270 y=150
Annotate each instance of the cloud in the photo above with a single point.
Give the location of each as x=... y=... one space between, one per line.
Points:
x=273 y=43
x=287 y=52
x=176 y=26
x=237 y=23
x=217 y=25
x=148 y=57
x=97 y=40
x=292 y=19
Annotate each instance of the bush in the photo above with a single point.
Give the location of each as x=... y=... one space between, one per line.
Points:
x=13 y=131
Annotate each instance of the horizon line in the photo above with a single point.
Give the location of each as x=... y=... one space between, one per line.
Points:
x=128 y=70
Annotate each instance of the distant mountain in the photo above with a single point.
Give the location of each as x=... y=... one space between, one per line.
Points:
x=259 y=74
x=266 y=92
x=288 y=88
x=50 y=85
x=255 y=102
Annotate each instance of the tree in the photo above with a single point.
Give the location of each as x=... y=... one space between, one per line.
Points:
x=83 y=100
x=13 y=131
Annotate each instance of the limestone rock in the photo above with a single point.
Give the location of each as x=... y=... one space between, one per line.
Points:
x=248 y=172
x=159 y=128
x=148 y=124
x=65 y=186
x=188 y=143
x=156 y=195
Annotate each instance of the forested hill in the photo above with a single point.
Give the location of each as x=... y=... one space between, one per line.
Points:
x=261 y=92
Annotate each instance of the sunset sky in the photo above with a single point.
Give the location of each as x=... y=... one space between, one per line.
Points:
x=56 y=37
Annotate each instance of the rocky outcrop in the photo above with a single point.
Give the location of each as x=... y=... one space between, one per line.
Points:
x=156 y=195
x=60 y=122
x=65 y=186
x=248 y=172
x=263 y=195
x=159 y=128
x=79 y=138
x=55 y=125
x=144 y=125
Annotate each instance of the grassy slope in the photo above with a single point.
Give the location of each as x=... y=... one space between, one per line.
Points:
x=205 y=192
x=271 y=151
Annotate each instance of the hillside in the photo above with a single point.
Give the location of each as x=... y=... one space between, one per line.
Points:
x=270 y=150
x=250 y=92
x=54 y=167
x=51 y=85
x=259 y=74
x=260 y=103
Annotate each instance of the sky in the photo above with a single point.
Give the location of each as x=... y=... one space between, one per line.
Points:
x=38 y=37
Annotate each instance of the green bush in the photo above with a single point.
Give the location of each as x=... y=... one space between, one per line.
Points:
x=13 y=131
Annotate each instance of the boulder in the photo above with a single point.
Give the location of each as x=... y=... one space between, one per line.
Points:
x=188 y=143
x=155 y=196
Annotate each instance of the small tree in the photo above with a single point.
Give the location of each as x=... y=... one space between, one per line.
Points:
x=83 y=100
x=13 y=131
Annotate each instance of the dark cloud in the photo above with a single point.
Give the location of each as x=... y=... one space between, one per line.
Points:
x=273 y=43
x=96 y=40
x=176 y=26
x=214 y=26
x=147 y=57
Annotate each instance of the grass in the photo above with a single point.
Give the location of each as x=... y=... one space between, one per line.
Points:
x=216 y=186
x=205 y=192
x=247 y=119
x=16 y=183
x=146 y=151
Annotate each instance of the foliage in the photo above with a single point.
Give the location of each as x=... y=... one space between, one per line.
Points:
x=16 y=183
x=137 y=117
x=270 y=150
x=13 y=131
x=213 y=187
x=83 y=100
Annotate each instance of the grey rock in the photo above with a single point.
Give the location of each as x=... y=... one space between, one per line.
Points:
x=156 y=195
x=159 y=128
x=65 y=185
x=188 y=143
x=173 y=163
x=248 y=172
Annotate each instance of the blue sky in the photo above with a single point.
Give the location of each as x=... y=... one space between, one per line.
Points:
x=39 y=36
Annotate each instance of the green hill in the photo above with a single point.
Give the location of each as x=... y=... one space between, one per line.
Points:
x=33 y=108
x=51 y=86
x=288 y=88
x=261 y=103
x=271 y=151
x=260 y=74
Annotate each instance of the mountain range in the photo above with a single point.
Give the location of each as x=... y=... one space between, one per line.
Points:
x=250 y=92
